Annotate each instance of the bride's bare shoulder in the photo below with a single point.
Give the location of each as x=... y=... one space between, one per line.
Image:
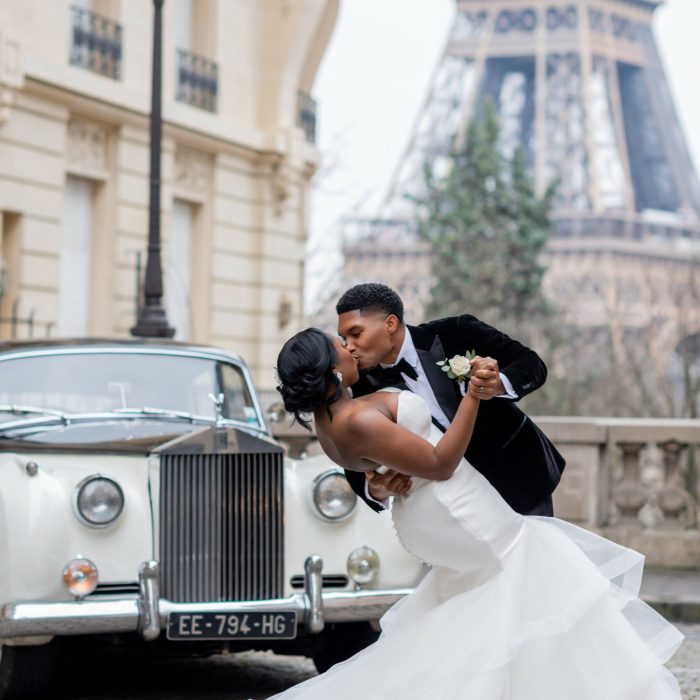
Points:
x=369 y=411
x=387 y=399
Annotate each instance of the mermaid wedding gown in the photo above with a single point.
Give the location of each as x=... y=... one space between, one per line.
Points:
x=514 y=607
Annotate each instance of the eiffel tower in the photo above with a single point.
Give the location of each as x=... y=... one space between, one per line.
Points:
x=579 y=85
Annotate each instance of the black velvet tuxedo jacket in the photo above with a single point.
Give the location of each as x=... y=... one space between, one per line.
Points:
x=506 y=446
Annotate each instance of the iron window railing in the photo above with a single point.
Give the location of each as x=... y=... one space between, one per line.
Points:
x=197 y=80
x=96 y=43
x=306 y=115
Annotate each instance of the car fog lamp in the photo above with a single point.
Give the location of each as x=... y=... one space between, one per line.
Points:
x=80 y=577
x=363 y=565
x=99 y=501
x=332 y=496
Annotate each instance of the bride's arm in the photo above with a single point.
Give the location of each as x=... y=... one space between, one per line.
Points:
x=373 y=436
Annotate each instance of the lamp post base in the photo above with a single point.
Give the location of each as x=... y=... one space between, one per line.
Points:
x=152 y=323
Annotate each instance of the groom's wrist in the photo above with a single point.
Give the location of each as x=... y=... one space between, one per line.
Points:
x=368 y=495
x=507 y=388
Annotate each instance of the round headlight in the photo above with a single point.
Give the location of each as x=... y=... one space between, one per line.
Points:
x=363 y=565
x=332 y=496
x=99 y=501
x=80 y=577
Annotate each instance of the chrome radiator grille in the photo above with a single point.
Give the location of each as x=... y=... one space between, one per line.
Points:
x=221 y=527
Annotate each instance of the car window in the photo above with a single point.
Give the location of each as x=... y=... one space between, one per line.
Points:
x=238 y=402
x=105 y=382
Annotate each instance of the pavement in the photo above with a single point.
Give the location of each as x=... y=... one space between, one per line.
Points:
x=685 y=665
x=258 y=675
x=676 y=595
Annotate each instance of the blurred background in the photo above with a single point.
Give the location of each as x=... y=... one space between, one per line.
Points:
x=600 y=100
x=532 y=162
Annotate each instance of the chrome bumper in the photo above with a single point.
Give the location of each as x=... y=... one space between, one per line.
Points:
x=148 y=614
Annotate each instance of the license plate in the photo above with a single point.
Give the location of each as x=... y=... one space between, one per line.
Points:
x=213 y=625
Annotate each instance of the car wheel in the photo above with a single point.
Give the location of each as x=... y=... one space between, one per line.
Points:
x=341 y=641
x=25 y=672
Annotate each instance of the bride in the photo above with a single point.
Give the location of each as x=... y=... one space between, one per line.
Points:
x=514 y=607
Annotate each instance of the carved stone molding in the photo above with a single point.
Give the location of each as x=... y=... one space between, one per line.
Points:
x=11 y=76
x=280 y=185
x=87 y=146
x=280 y=176
x=192 y=170
x=6 y=99
x=285 y=311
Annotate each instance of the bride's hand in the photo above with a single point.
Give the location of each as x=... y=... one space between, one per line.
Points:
x=389 y=483
x=485 y=382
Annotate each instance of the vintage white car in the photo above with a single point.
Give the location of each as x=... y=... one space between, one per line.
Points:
x=142 y=496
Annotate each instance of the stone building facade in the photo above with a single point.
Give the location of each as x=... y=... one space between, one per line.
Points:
x=238 y=154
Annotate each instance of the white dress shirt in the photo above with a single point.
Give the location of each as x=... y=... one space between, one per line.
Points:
x=422 y=387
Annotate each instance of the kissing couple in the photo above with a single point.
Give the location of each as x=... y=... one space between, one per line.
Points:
x=517 y=605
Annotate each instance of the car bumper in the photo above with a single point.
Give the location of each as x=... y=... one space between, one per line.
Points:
x=148 y=614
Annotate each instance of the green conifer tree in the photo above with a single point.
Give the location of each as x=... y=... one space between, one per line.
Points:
x=487 y=229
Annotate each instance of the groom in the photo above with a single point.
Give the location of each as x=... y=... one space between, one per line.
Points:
x=506 y=446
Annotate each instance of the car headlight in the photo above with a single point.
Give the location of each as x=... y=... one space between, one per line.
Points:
x=99 y=501
x=332 y=497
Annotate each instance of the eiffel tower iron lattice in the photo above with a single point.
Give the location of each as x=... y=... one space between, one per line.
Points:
x=580 y=86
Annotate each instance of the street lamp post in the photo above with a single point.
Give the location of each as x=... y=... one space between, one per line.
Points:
x=152 y=320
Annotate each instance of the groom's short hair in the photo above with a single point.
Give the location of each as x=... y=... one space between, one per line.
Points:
x=371 y=296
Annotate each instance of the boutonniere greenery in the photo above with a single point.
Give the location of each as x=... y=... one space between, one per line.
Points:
x=459 y=367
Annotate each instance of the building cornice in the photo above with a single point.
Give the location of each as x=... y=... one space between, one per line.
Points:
x=100 y=98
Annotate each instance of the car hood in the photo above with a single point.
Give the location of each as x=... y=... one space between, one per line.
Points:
x=141 y=436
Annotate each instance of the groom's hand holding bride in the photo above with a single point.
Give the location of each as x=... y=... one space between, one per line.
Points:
x=387 y=484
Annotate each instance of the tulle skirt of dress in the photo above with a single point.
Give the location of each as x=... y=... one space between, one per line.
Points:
x=560 y=621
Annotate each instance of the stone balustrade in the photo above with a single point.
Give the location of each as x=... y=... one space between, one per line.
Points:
x=633 y=480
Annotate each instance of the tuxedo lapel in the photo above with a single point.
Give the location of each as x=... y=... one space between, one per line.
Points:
x=445 y=389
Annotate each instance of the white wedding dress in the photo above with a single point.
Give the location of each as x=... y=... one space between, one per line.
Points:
x=514 y=607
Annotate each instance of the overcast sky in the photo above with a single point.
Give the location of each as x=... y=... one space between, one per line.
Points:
x=374 y=78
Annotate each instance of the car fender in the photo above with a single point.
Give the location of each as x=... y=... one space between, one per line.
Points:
x=41 y=532
x=334 y=541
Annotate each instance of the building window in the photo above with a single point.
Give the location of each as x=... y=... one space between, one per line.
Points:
x=178 y=276
x=96 y=41
x=10 y=265
x=197 y=80
x=184 y=29
x=75 y=258
x=197 y=76
x=306 y=115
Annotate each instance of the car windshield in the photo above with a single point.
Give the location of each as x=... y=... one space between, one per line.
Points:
x=107 y=382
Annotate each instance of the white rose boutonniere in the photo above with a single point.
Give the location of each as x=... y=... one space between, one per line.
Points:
x=458 y=367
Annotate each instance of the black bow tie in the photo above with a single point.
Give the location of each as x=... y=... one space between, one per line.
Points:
x=391 y=376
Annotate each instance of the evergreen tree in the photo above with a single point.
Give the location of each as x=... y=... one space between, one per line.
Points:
x=487 y=229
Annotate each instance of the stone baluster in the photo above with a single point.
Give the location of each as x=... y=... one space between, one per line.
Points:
x=652 y=479
x=628 y=495
x=674 y=500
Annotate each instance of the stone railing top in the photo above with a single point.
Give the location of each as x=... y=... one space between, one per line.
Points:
x=570 y=429
x=602 y=430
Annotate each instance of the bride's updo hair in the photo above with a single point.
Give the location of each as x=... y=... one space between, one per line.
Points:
x=304 y=368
